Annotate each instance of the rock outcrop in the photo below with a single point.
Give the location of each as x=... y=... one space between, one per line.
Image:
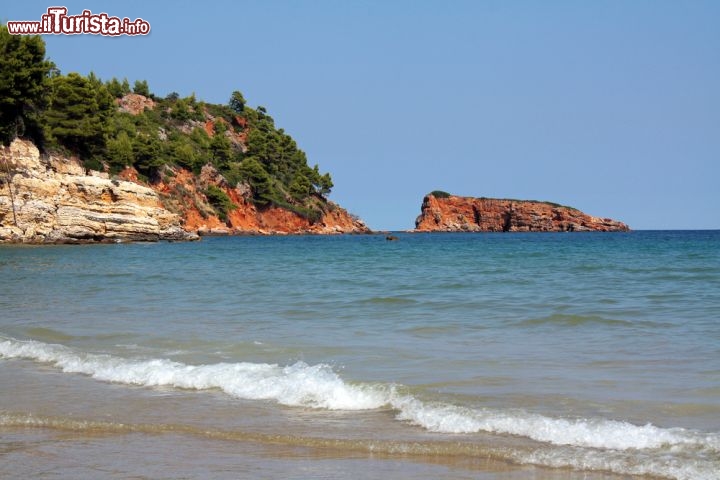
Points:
x=135 y=104
x=468 y=214
x=183 y=193
x=54 y=200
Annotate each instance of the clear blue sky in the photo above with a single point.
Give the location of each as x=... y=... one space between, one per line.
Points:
x=609 y=106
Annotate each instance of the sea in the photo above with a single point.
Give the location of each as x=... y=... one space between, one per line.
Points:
x=518 y=356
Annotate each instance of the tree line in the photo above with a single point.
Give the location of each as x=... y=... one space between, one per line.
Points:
x=79 y=115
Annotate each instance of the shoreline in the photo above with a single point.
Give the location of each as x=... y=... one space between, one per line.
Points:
x=389 y=236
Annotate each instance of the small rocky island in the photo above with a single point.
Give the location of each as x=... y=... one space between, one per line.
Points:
x=442 y=212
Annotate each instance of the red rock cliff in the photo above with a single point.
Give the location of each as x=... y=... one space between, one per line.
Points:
x=469 y=214
x=182 y=193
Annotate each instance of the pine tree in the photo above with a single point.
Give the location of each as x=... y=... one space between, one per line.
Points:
x=141 y=88
x=78 y=117
x=24 y=74
x=258 y=178
x=237 y=102
x=120 y=151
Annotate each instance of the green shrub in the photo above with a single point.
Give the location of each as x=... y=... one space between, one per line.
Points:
x=439 y=194
x=312 y=214
x=220 y=201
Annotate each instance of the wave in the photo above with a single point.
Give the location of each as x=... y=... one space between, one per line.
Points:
x=566 y=320
x=612 y=461
x=598 y=443
x=387 y=301
x=441 y=448
x=300 y=384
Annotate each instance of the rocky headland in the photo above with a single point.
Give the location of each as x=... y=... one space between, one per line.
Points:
x=182 y=192
x=54 y=199
x=441 y=212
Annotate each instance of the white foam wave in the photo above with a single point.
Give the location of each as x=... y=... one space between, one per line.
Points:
x=593 y=433
x=680 y=467
x=318 y=386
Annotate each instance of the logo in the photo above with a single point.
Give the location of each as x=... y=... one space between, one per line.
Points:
x=57 y=22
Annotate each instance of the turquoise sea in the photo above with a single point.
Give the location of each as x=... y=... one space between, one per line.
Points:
x=492 y=356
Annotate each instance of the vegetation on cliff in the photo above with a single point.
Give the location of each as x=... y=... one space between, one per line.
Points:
x=90 y=118
x=440 y=194
x=444 y=194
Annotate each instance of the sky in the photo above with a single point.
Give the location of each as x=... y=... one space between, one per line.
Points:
x=609 y=106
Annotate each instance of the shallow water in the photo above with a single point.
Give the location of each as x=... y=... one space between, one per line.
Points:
x=436 y=356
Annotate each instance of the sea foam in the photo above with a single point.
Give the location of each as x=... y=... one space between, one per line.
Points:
x=593 y=433
x=300 y=384
x=319 y=386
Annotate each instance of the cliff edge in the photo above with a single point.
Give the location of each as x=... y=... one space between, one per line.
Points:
x=442 y=212
x=186 y=194
x=54 y=200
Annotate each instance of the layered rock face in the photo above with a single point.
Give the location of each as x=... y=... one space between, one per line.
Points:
x=469 y=214
x=53 y=200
